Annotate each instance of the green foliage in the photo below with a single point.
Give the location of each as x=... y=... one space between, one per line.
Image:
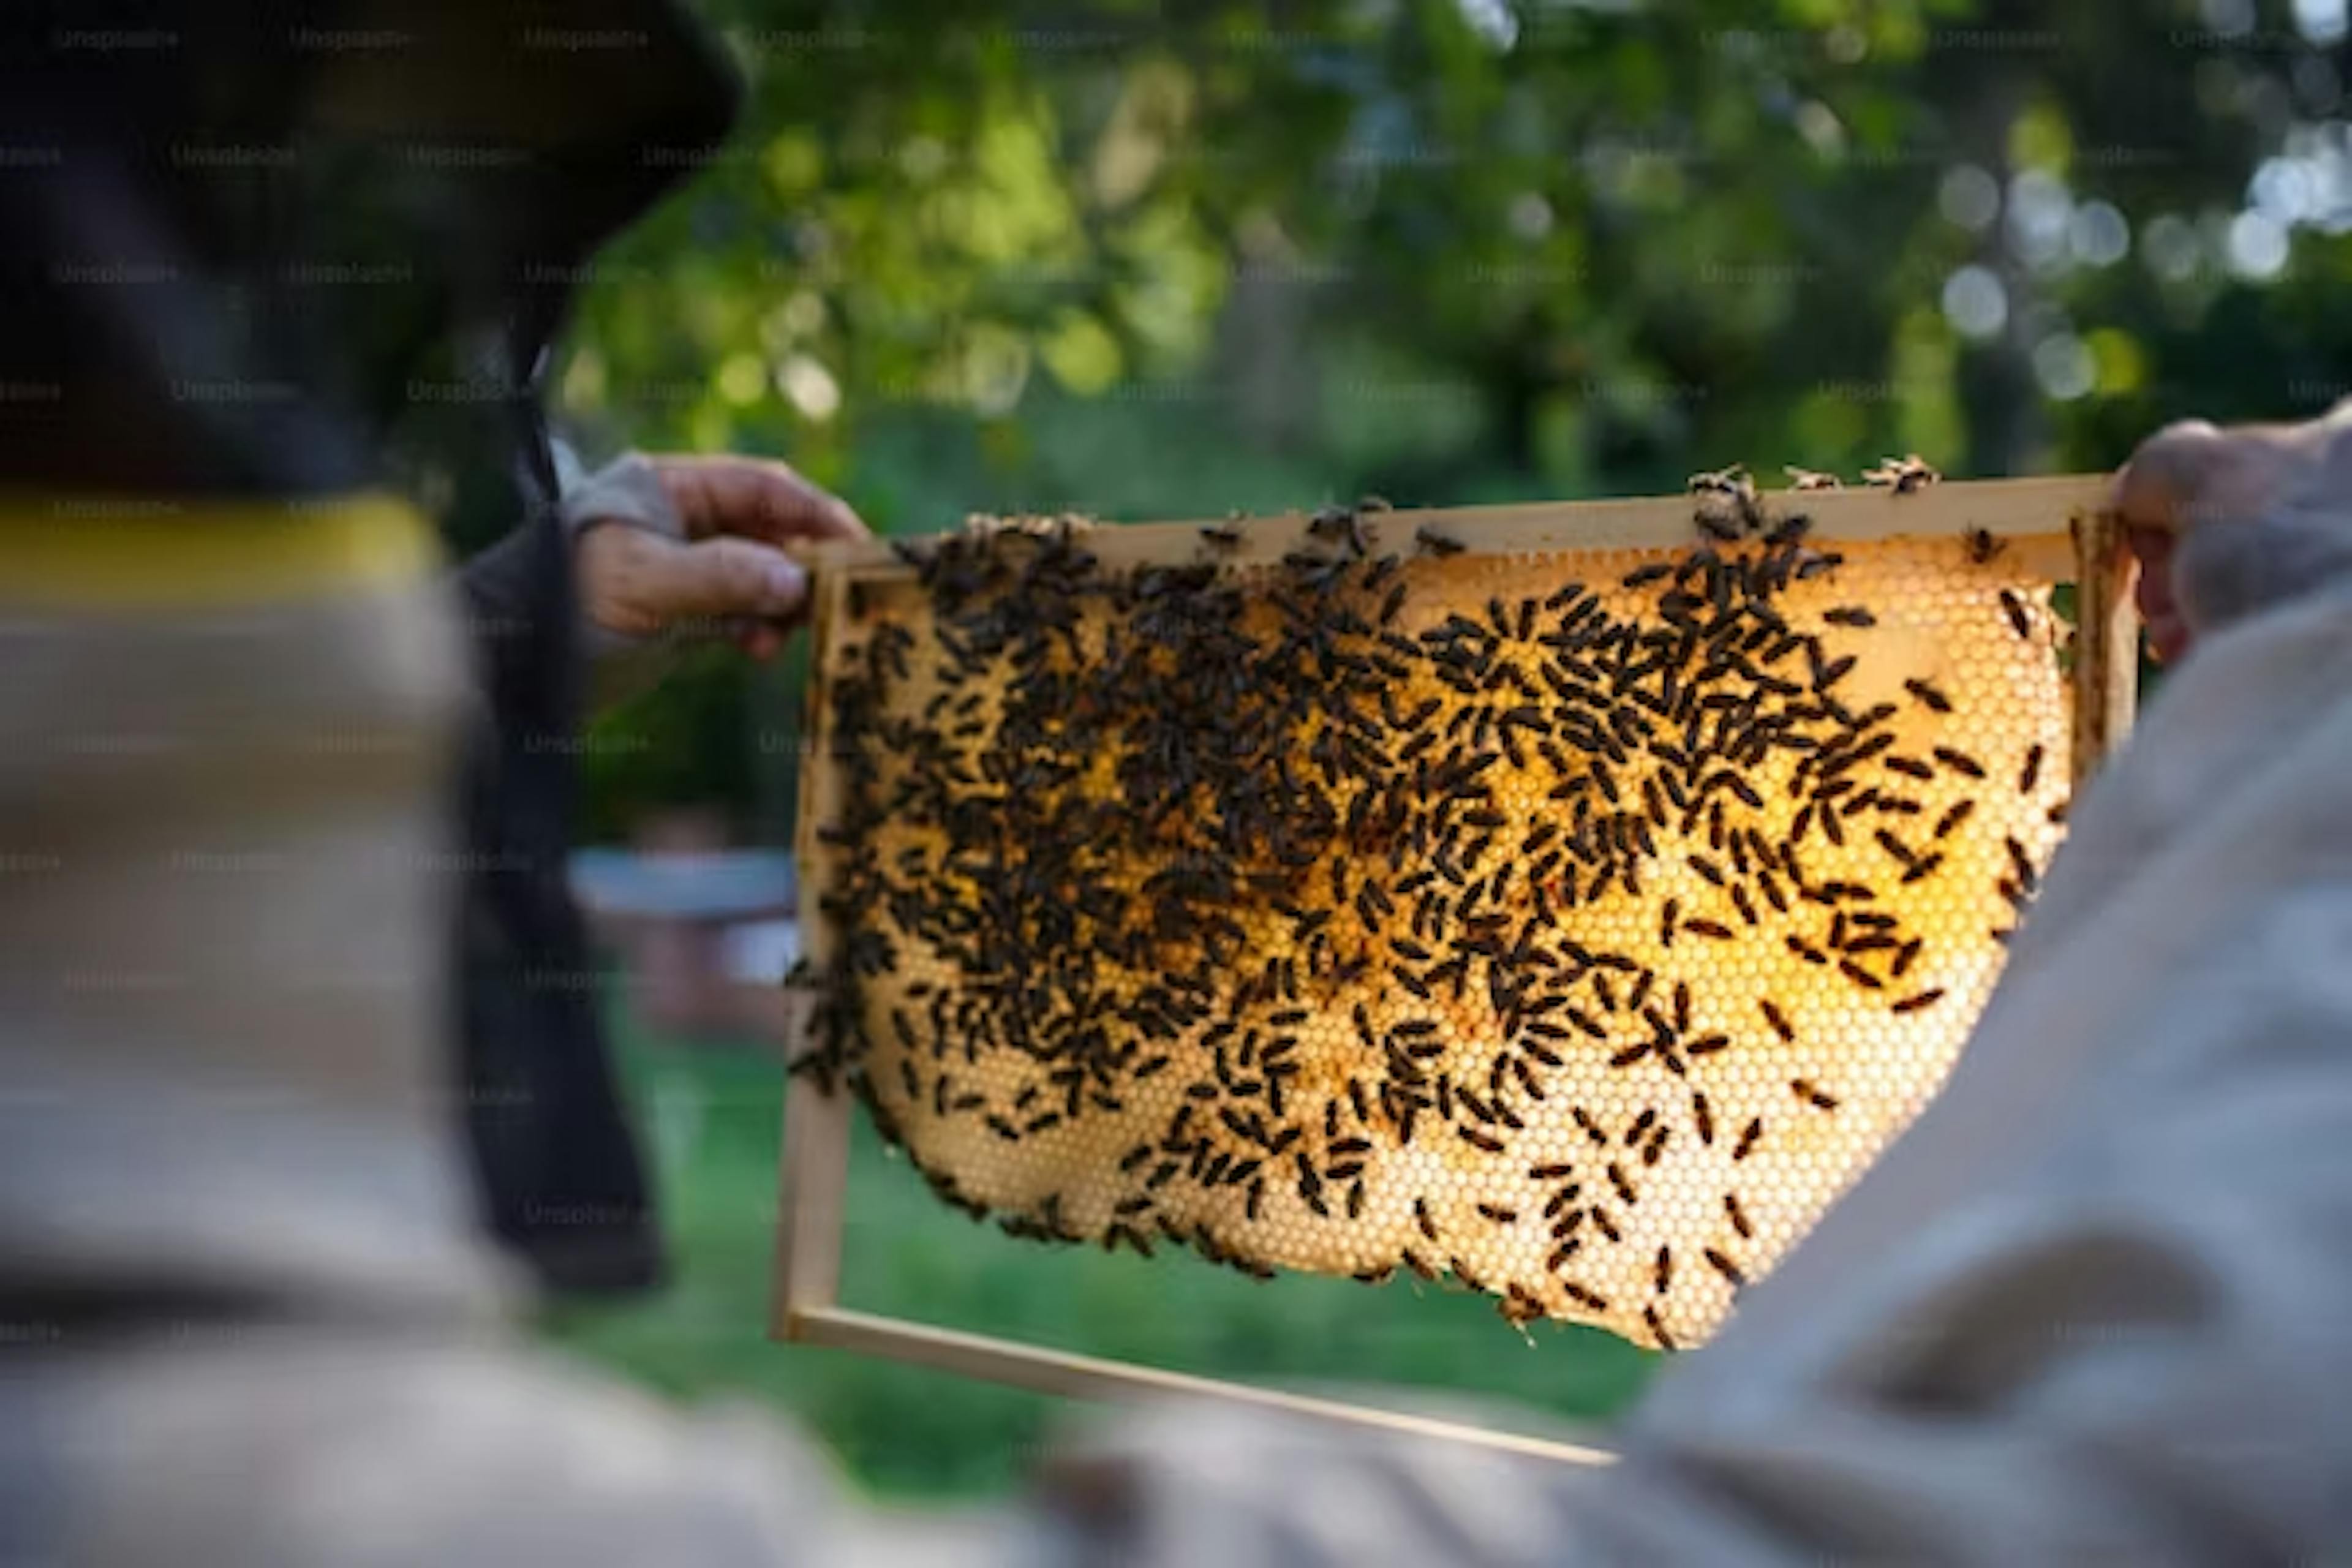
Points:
x=656 y=748
x=1157 y=261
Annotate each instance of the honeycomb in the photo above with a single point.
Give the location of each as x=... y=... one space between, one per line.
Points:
x=1572 y=926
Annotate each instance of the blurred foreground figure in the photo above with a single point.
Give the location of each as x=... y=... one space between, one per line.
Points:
x=255 y=270
x=2090 y=1308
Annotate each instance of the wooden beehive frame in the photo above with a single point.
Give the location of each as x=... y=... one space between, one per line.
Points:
x=2054 y=526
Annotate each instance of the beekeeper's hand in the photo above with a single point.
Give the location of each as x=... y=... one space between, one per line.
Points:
x=2191 y=490
x=728 y=570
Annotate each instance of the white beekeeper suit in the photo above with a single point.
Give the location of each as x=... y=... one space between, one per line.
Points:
x=2097 y=1306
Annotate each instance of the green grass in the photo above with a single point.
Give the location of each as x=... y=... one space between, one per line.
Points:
x=712 y=1114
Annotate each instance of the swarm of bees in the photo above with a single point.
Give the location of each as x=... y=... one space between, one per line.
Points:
x=1572 y=928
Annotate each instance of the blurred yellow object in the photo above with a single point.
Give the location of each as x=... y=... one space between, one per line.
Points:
x=132 y=553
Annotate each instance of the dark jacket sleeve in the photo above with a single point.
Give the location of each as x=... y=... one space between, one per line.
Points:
x=559 y=1172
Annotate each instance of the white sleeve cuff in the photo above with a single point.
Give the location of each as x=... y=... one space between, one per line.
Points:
x=627 y=489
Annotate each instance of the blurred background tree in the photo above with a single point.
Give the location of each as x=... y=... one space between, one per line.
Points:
x=1153 y=259
x=1162 y=261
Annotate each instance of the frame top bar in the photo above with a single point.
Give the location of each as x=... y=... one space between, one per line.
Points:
x=2033 y=509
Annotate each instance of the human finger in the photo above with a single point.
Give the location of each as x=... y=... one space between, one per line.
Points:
x=640 y=585
x=754 y=498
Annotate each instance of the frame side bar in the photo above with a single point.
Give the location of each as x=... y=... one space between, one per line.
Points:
x=814 y=1190
x=2106 y=641
x=814 y=1179
x=1070 y=1376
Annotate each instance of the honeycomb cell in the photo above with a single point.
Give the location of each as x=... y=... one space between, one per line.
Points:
x=1576 y=925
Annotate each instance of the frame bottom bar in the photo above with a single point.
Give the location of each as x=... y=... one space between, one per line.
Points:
x=1072 y=1376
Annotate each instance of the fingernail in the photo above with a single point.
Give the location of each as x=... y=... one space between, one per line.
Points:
x=785 y=585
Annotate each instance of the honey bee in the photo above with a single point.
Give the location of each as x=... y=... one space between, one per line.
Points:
x=1903 y=475
x=1922 y=868
x=1722 y=481
x=2021 y=864
x=1859 y=975
x=1959 y=761
x=1625 y=1194
x=2021 y=619
x=1331 y=523
x=1928 y=694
